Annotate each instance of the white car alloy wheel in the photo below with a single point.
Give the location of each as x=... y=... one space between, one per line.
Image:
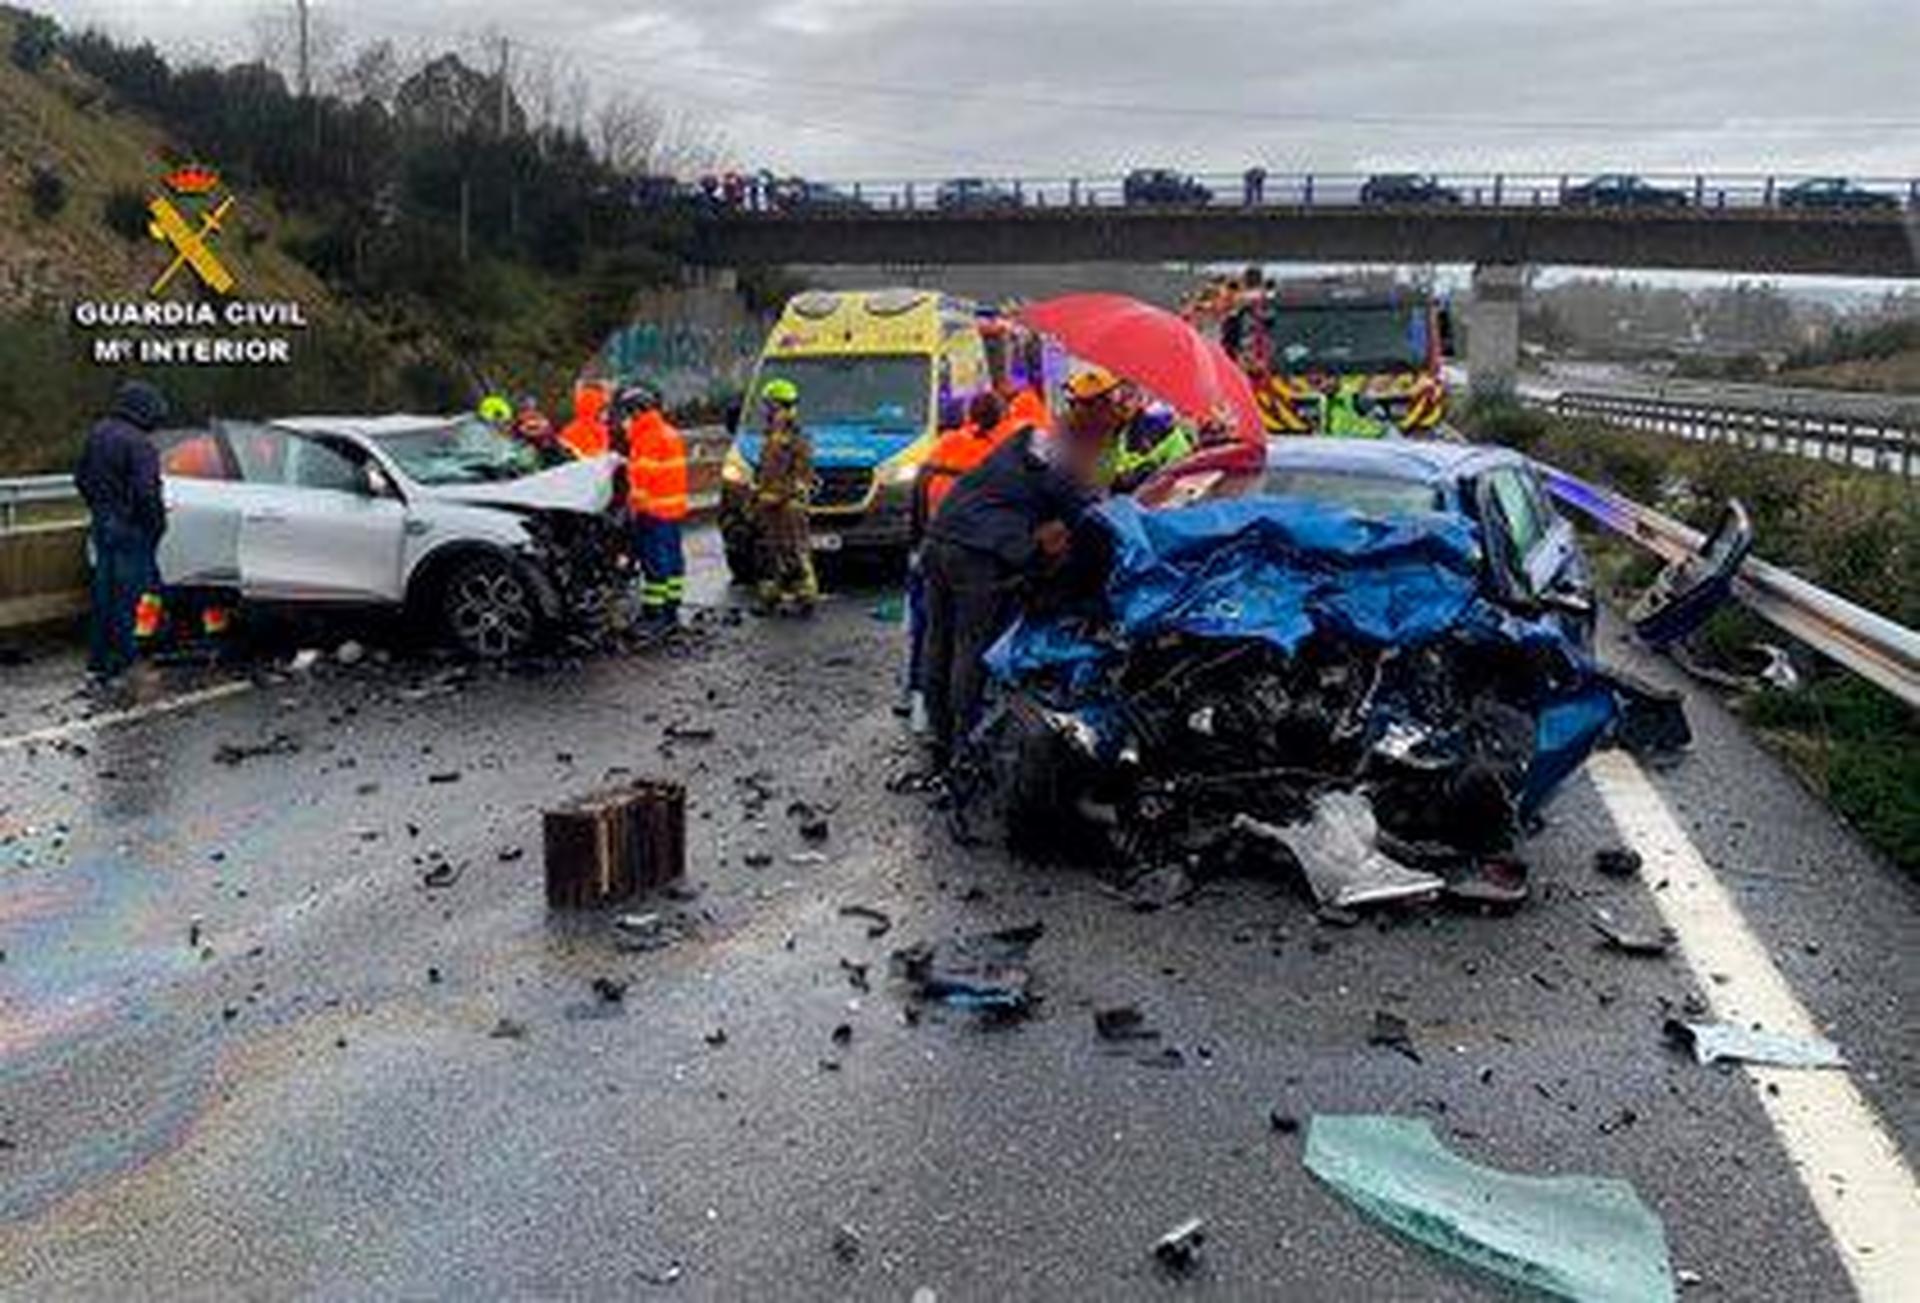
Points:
x=489 y=610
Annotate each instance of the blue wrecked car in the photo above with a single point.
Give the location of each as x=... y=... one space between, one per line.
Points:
x=1406 y=622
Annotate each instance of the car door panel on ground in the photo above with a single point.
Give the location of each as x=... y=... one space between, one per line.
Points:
x=314 y=529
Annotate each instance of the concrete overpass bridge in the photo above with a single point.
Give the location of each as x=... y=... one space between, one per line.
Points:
x=1498 y=224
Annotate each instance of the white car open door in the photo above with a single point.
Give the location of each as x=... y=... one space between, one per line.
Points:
x=320 y=526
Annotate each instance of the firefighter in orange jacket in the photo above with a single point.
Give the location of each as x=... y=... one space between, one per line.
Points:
x=656 y=499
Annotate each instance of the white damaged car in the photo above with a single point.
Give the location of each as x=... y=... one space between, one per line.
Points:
x=441 y=517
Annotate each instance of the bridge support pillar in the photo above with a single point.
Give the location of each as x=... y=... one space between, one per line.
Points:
x=1493 y=328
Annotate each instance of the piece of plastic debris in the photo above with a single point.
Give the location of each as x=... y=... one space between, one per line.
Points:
x=717 y=1037
x=304 y=660
x=1391 y=1031
x=879 y=921
x=856 y=975
x=233 y=753
x=847 y=1245
x=1629 y=942
x=1285 y=1124
x=508 y=1029
x=1616 y=861
x=1335 y=848
x=1577 y=1237
x=609 y=990
x=1714 y=1042
x=1179 y=1248
x=985 y=972
x=1123 y=1022
x=806 y=857
x=666 y=1275
x=443 y=874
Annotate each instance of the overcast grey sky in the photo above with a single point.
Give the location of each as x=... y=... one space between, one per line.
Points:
x=853 y=88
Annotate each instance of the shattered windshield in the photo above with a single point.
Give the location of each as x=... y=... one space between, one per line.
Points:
x=887 y=394
x=1346 y=338
x=1370 y=495
x=467 y=451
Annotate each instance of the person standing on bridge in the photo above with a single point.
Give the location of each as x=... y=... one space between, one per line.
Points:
x=782 y=485
x=1255 y=184
x=656 y=500
x=119 y=477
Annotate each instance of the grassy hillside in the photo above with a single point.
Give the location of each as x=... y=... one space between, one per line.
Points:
x=62 y=122
x=341 y=205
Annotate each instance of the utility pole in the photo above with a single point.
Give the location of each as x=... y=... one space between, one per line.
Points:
x=501 y=126
x=306 y=75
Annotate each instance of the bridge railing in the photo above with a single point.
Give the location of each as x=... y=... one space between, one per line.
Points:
x=1671 y=192
x=1884 y=442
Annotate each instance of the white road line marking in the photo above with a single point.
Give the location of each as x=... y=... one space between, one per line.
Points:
x=185 y=701
x=1851 y=1168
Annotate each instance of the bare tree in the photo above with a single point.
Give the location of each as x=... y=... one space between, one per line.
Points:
x=373 y=73
x=627 y=133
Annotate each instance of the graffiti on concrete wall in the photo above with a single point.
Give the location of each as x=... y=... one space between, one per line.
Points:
x=692 y=350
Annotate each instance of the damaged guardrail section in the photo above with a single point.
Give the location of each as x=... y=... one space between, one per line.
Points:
x=1872 y=646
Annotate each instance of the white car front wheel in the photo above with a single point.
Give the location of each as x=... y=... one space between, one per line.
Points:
x=488 y=609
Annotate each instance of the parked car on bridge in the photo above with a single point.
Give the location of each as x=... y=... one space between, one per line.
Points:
x=1149 y=186
x=1835 y=193
x=1620 y=190
x=799 y=195
x=439 y=517
x=974 y=194
x=1409 y=621
x=1406 y=188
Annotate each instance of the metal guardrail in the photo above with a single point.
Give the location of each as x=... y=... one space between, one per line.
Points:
x=1668 y=192
x=32 y=490
x=1885 y=442
x=1870 y=645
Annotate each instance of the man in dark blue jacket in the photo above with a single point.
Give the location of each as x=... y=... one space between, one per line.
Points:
x=1003 y=524
x=119 y=476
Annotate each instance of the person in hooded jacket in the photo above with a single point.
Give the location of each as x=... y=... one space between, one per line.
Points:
x=119 y=477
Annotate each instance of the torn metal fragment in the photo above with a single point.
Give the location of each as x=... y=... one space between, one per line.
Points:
x=1578 y=1237
x=1335 y=848
x=1713 y=1042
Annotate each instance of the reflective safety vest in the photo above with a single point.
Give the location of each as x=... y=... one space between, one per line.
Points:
x=956 y=453
x=1027 y=408
x=1346 y=421
x=656 y=468
x=586 y=434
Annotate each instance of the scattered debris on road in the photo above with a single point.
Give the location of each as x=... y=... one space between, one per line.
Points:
x=985 y=972
x=234 y=753
x=508 y=1029
x=1179 y=1249
x=609 y=990
x=1616 y=861
x=1390 y=1031
x=879 y=921
x=847 y=1245
x=1123 y=1022
x=1630 y=942
x=1573 y=1236
x=1724 y=1042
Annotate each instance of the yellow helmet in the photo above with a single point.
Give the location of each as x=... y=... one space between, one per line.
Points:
x=1093 y=383
x=495 y=410
x=783 y=392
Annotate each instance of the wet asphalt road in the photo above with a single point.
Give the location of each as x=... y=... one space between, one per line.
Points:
x=310 y=1102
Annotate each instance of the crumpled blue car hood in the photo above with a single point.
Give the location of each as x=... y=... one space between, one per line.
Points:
x=1282 y=569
